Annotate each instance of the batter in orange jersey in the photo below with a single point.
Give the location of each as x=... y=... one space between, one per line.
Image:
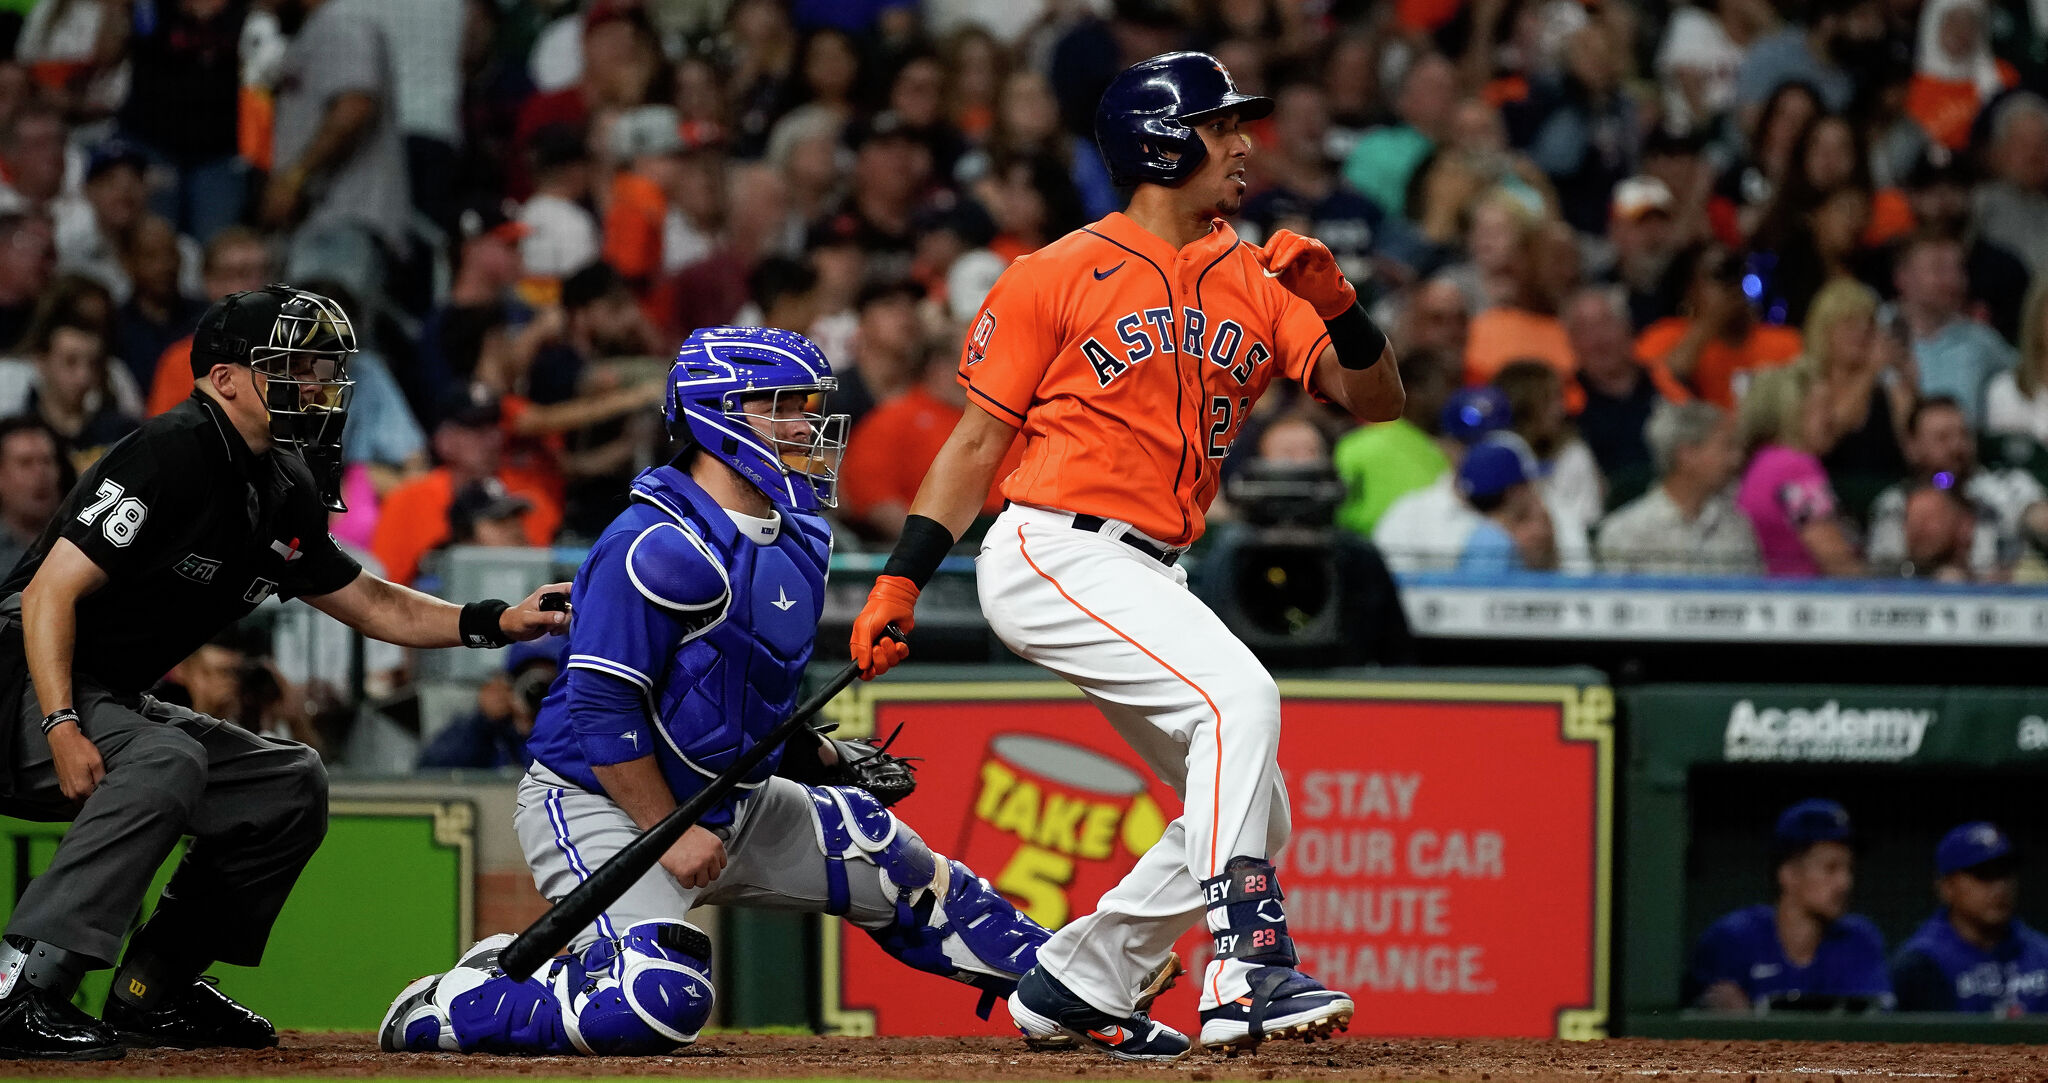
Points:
x=1128 y=355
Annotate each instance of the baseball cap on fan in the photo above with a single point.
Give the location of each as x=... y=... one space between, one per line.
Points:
x=1492 y=468
x=1472 y=415
x=1641 y=195
x=1978 y=847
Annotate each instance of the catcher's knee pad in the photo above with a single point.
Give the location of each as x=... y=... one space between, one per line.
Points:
x=647 y=992
x=852 y=825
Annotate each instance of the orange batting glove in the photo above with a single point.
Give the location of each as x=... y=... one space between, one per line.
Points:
x=892 y=601
x=1305 y=266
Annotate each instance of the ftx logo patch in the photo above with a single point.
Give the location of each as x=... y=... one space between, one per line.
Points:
x=198 y=569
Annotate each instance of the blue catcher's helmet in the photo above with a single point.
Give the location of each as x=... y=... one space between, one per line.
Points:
x=753 y=398
x=1142 y=124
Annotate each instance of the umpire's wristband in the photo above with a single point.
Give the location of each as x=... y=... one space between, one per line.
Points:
x=57 y=718
x=1358 y=340
x=923 y=544
x=480 y=624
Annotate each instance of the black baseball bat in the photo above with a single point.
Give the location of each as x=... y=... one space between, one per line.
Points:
x=572 y=912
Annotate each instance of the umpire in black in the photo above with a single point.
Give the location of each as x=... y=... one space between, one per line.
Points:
x=182 y=529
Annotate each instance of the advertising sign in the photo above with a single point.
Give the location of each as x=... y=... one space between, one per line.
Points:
x=1448 y=863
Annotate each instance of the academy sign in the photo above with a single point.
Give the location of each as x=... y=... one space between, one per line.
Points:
x=1827 y=733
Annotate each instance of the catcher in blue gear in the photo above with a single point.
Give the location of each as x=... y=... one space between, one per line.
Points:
x=698 y=612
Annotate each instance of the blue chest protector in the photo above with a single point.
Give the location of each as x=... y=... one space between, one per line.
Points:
x=688 y=628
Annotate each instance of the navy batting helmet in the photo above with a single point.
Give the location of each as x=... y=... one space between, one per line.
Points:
x=1143 y=123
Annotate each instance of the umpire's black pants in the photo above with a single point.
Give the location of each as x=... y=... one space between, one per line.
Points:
x=256 y=808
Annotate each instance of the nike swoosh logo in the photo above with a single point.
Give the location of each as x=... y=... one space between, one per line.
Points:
x=1100 y=275
x=1114 y=1035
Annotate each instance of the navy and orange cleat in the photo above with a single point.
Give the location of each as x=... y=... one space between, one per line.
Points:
x=1042 y=1007
x=1280 y=1003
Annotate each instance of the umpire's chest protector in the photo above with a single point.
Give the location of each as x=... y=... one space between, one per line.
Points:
x=731 y=682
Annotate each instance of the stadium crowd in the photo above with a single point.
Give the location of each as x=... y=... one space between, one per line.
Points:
x=1729 y=287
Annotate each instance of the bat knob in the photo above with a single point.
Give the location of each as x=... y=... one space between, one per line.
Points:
x=554 y=602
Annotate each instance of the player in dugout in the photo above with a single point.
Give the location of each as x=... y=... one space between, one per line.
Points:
x=1974 y=955
x=183 y=528
x=1806 y=951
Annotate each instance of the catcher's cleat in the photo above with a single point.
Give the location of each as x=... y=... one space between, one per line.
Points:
x=1281 y=1003
x=414 y=1023
x=1042 y=1007
x=198 y=1016
x=1163 y=977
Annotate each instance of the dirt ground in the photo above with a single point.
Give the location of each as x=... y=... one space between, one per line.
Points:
x=1477 y=1061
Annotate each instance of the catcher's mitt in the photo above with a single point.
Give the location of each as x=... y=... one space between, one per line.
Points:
x=866 y=764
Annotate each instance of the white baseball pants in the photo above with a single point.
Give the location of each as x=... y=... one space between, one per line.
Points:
x=1193 y=702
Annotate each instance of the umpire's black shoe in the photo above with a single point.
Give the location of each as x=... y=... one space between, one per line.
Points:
x=198 y=1016
x=36 y=1024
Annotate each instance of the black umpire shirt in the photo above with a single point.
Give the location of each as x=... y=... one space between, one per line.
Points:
x=193 y=530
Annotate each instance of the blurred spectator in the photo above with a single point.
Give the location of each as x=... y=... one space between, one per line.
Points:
x=1546 y=270
x=495 y=85
x=494 y=735
x=2013 y=205
x=2006 y=507
x=1615 y=388
x=36 y=165
x=1646 y=246
x=1027 y=124
x=1771 y=133
x=600 y=321
x=157 y=312
x=1092 y=50
x=1589 y=137
x=1686 y=524
x=1426 y=530
x=1031 y=202
x=1956 y=356
x=1513 y=530
x=117 y=199
x=1955 y=73
x=1785 y=491
x=1974 y=955
x=1490 y=273
x=891 y=448
x=236 y=261
x=561 y=233
x=487 y=514
x=1937 y=189
x=28 y=259
x=1839 y=38
x=916 y=94
x=469 y=445
x=711 y=291
x=424 y=38
x=1866 y=376
x=340 y=182
x=890 y=171
x=182 y=106
x=886 y=349
x=1699 y=56
x=1806 y=947
x=827 y=77
x=1714 y=345
x=1433 y=317
x=34 y=476
x=1386 y=157
x=1300 y=189
x=1379 y=464
x=1567 y=473
x=616 y=64
x=1938 y=527
x=2016 y=402
x=647 y=142
x=209 y=680
x=70 y=391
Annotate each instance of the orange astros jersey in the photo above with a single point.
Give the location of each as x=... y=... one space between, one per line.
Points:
x=1129 y=367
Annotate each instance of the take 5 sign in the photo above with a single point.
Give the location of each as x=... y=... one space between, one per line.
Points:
x=1449 y=863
